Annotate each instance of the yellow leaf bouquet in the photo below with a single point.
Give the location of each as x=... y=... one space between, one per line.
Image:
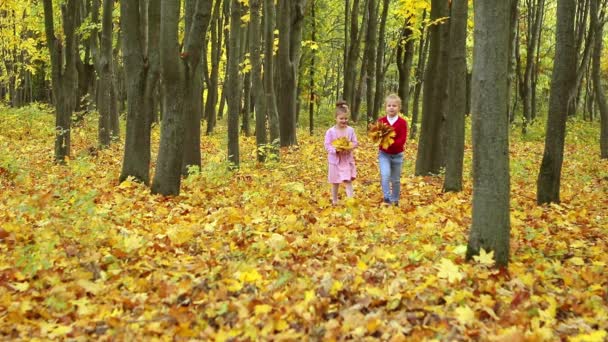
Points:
x=342 y=144
x=382 y=134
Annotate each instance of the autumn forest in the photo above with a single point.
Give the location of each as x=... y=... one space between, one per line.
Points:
x=163 y=172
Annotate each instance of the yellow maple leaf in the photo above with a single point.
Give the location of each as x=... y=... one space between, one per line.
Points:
x=577 y=261
x=448 y=270
x=594 y=336
x=484 y=258
x=382 y=134
x=342 y=144
x=179 y=235
x=262 y=309
x=465 y=315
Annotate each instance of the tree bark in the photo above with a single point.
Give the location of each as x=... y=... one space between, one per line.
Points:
x=405 y=55
x=352 y=47
x=380 y=69
x=370 y=58
x=105 y=71
x=63 y=74
x=269 y=87
x=431 y=155
x=291 y=14
x=213 y=79
x=491 y=224
x=141 y=63
x=562 y=81
x=598 y=25
x=178 y=73
x=233 y=86
x=534 y=16
x=255 y=36
x=198 y=15
x=457 y=99
x=423 y=48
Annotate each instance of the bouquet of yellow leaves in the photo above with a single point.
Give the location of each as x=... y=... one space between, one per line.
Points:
x=382 y=134
x=342 y=144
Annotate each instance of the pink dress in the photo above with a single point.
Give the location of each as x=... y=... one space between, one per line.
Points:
x=341 y=165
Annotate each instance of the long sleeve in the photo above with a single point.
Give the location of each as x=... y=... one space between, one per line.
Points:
x=329 y=137
x=353 y=138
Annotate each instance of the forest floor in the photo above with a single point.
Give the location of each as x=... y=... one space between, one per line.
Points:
x=261 y=254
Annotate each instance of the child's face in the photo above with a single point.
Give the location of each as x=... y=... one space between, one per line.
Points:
x=392 y=108
x=342 y=120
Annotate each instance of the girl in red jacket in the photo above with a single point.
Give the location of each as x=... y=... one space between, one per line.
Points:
x=390 y=159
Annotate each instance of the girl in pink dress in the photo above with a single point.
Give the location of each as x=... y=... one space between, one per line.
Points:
x=341 y=163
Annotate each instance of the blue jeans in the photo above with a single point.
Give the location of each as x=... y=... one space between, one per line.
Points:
x=390 y=174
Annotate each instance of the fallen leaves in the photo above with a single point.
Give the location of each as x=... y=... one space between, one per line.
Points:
x=260 y=254
x=382 y=134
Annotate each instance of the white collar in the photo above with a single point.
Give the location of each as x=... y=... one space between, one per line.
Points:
x=393 y=119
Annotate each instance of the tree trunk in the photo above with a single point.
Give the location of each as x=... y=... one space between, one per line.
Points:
x=597 y=22
x=178 y=69
x=352 y=46
x=269 y=88
x=141 y=75
x=379 y=91
x=198 y=15
x=405 y=55
x=370 y=58
x=291 y=14
x=105 y=70
x=491 y=224
x=255 y=37
x=312 y=96
x=63 y=74
x=431 y=157
x=457 y=99
x=213 y=80
x=534 y=16
x=423 y=48
x=562 y=81
x=233 y=84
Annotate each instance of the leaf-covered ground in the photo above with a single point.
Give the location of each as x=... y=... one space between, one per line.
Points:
x=261 y=254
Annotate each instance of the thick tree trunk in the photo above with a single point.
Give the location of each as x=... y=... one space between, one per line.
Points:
x=63 y=74
x=291 y=14
x=198 y=16
x=269 y=88
x=491 y=224
x=353 y=38
x=562 y=81
x=423 y=48
x=213 y=80
x=457 y=99
x=233 y=84
x=431 y=155
x=141 y=75
x=598 y=25
x=380 y=68
x=370 y=58
x=405 y=55
x=167 y=178
x=311 y=84
x=105 y=70
x=255 y=36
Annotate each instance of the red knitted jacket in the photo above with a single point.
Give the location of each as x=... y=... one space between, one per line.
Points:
x=400 y=127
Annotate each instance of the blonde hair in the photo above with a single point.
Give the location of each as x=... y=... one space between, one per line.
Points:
x=393 y=97
x=341 y=108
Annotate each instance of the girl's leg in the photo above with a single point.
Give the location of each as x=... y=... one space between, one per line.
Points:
x=334 y=193
x=349 y=189
x=396 y=165
x=384 y=161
